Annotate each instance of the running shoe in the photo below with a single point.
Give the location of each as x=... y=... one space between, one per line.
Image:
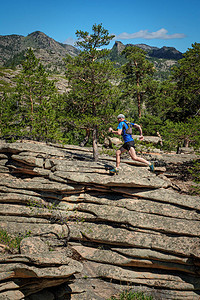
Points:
x=114 y=171
x=151 y=167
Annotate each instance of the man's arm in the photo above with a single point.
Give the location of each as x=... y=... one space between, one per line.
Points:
x=140 y=131
x=118 y=131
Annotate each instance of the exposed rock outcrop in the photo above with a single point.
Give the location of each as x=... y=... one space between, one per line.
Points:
x=47 y=49
x=102 y=234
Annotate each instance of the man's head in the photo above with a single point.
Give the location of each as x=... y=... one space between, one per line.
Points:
x=120 y=117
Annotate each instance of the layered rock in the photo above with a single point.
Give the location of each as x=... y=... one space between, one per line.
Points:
x=35 y=269
x=91 y=234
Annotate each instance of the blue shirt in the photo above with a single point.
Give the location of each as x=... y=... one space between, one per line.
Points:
x=126 y=136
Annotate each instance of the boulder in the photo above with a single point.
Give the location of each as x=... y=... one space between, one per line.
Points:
x=112 y=141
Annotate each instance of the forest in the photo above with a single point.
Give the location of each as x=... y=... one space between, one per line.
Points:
x=98 y=91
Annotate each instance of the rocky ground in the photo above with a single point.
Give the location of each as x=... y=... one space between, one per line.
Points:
x=8 y=81
x=88 y=235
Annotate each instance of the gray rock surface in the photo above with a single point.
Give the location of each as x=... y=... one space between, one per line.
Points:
x=88 y=235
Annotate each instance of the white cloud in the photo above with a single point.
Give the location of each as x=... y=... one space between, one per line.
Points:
x=70 y=41
x=145 y=34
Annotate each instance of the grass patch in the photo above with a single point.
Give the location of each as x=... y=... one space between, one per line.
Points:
x=194 y=190
x=12 y=243
x=194 y=171
x=130 y=295
x=107 y=151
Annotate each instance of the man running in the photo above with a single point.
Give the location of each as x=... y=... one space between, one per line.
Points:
x=124 y=129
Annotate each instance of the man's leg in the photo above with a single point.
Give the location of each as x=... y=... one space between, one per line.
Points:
x=135 y=157
x=118 y=155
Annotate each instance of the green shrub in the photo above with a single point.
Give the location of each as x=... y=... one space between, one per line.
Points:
x=130 y=295
x=195 y=171
x=12 y=243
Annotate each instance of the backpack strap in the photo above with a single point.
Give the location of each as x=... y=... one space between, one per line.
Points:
x=129 y=129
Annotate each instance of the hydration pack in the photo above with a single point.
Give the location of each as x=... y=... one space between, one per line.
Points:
x=129 y=129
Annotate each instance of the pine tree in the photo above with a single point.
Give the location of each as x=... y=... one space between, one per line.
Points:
x=181 y=133
x=161 y=100
x=9 y=116
x=187 y=77
x=93 y=95
x=37 y=99
x=136 y=71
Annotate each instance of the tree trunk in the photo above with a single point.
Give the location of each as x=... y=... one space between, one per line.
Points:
x=31 y=100
x=139 y=104
x=95 y=148
x=84 y=142
x=138 y=99
x=186 y=142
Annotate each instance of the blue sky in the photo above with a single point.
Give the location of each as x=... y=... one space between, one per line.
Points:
x=172 y=23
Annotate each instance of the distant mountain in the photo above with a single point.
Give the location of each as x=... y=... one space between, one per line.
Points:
x=164 y=52
x=162 y=58
x=12 y=48
x=51 y=52
x=145 y=47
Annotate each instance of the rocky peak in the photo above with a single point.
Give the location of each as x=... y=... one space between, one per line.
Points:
x=9 y=45
x=164 y=52
x=145 y=47
x=38 y=33
x=119 y=46
x=167 y=53
x=40 y=40
x=47 y=49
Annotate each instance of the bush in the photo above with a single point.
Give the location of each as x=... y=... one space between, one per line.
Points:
x=130 y=295
x=194 y=171
x=181 y=133
x=12 y=243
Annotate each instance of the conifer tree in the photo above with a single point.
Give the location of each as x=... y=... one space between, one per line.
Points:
x=161 y=100
x=181 y=133
x=186 y=74
x=93 y=95
x=37 y=99
x=136 y=71
x=9 y=123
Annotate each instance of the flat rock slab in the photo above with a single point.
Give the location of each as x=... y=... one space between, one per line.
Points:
x=140 y=204
x=165 y=196
x=165 y=281
x=105 y=234
x=137 y=219
x=129 y=176
x=82 y=172
x=20 y=270
x=132 y=227
x=38 y=185
x=141 y=258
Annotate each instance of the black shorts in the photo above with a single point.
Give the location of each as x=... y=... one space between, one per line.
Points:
x=128 y=145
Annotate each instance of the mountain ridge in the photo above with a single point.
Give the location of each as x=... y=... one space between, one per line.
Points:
x=163 y=52
x=163 y=58
x=45 y=48
x=51 y=53
x=13 y=44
